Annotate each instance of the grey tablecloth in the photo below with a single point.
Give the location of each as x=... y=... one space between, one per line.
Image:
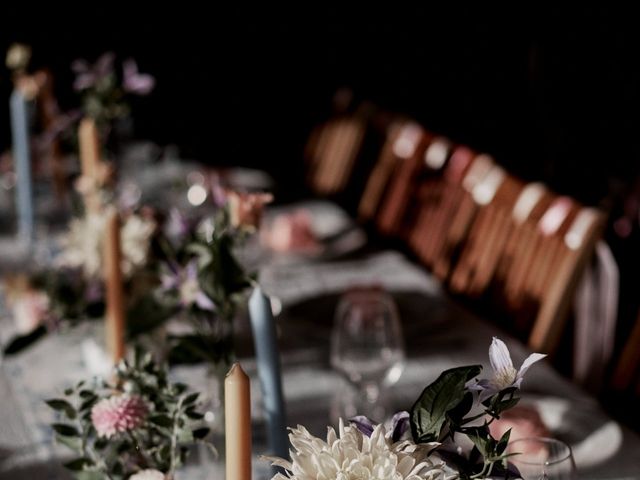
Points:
x=439 y=335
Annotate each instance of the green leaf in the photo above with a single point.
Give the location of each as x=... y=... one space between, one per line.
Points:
x=481 y=438
x=100 y=443
x=503 y=443
x=87 y=394
x=89 y=475
x=62 y=406
x=193 y=415
x=185 y=435
x=88 y=403
x=161 y=420
x=144 y=315
x=457 y=414
x=65 y=429
x=191 y=398
x=77 y=464
x=200 y=433
x=180 y=387
x=429 y=413
x=74 y=443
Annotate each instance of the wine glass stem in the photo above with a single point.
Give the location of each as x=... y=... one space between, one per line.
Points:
x=371 y=391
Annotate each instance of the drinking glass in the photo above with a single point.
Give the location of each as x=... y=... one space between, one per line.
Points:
x=541 y=458
x=367 y=346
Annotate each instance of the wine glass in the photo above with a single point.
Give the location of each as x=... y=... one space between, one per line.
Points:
x=367 y=346
x=541 y=458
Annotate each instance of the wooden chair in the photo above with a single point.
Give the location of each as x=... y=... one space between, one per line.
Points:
x=333 y=150
x=381 y=174
x=570 y=250
x=409 y=152
x=437 y=202
x=457 y=225
x=485 y=231
x=495 y=196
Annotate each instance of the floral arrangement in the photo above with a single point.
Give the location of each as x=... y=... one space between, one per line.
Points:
x=174 y=268
x=203 y=281
x=104 y=92
x=445 y=435
x=138 y=426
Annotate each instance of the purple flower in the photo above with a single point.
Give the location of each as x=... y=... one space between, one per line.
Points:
x=184 y=281
x=218 y=193
x=87 y=75
x=134 y=81
x=177 y=227
x=396 y=428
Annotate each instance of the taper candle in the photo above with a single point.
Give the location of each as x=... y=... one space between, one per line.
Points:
x=268 y=362
x=114 y=315
x=22 y=163
x=89 y=147
x=237 y=423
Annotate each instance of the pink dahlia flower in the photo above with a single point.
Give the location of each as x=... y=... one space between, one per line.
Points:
x=118 y=414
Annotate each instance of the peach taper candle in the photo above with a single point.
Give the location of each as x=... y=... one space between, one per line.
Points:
x=89 y=147
x=114 y=315
x=237 y=424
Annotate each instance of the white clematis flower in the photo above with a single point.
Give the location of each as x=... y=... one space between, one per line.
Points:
x=504 y=373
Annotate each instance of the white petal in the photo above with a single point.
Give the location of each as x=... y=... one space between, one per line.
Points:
x=530 y=360
x=499 y=355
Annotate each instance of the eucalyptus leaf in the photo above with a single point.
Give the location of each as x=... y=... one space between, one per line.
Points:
x=77 y=464
x=61 y=405
x=200 y=433
x=161 y=420
x=74 y=443
x=193 y=415
x=65 y=429
x=89 y=475
x=191 y=398
x=185 y=436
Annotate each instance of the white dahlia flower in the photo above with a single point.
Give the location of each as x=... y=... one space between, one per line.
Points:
x=355 y=456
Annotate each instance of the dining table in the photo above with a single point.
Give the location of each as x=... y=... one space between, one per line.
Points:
x=439 y=333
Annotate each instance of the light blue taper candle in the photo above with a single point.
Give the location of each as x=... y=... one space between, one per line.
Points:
x=22 y=163
x=268 y=360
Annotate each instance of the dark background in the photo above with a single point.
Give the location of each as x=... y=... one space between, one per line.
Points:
x=553 y=94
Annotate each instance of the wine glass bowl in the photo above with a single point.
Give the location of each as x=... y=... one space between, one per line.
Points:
x=542 y=458
x=367 y=345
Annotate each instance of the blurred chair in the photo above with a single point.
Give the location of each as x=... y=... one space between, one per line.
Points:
x=382 y=171
x=517 y=247
x=333 y=150
x=489 y=237
x=458 y=220
x=437 y=202
x=494 y=197
x=408 y=152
